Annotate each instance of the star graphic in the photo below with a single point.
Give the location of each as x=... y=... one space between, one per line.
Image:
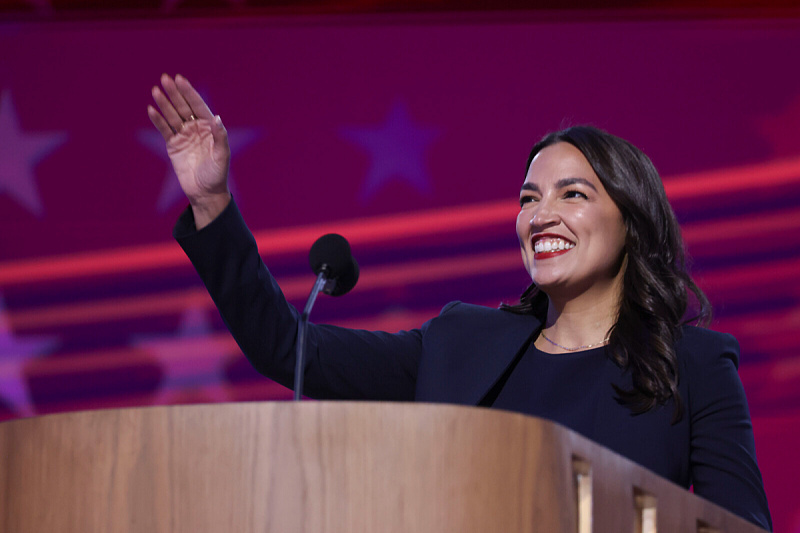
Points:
x=193 y=359
x=780 y=129
x=397 y=150
x=19 y=153
x=240 y=139
x=14 y=353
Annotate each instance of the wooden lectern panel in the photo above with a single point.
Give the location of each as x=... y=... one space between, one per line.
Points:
x=325 y=467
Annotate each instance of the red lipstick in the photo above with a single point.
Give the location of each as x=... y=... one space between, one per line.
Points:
x=548 y=255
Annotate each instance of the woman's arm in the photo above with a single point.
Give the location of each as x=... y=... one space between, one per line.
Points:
x=341 y=363
x=723 y=462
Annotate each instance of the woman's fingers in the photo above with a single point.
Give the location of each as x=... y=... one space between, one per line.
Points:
x=195 y=102
x=179 y=103
x=159 y=122
x=168 y=111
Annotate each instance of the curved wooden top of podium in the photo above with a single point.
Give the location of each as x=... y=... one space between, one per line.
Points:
x=321 y=467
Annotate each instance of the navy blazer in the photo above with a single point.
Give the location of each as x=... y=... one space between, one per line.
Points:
x=458 y=357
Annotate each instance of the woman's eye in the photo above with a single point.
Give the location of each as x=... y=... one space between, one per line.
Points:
x=526 y=200
x=575 y=194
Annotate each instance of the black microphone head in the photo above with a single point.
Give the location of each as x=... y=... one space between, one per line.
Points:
x=330 y=253
x=344 y=283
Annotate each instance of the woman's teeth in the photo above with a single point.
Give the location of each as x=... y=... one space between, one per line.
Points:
x=552 y=245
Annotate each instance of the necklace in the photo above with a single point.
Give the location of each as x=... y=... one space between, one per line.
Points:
x=586 y=347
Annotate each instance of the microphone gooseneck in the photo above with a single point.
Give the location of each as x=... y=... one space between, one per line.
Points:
x=337 y=273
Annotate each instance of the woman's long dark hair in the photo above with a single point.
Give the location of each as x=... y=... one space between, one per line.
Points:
x=656 y=283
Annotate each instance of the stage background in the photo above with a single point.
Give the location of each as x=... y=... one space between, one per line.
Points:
x=406 y=132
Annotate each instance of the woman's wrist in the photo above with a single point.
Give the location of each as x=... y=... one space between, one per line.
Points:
x=208 y=208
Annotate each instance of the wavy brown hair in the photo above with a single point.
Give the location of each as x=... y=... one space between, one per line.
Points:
x=656 y=283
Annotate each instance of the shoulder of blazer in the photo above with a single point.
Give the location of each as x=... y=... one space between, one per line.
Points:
x=466 y=349
x=701 y=346
x=458 y=313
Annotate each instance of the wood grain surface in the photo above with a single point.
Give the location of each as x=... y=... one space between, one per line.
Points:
x=321 y=467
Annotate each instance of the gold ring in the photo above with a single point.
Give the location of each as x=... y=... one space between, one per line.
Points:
x=192 y=117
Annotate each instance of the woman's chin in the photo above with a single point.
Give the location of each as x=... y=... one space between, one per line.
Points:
x=550 y=286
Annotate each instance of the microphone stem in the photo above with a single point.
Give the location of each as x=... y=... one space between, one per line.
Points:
x=300 y=345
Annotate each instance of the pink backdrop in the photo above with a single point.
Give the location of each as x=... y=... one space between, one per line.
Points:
x=408 y=134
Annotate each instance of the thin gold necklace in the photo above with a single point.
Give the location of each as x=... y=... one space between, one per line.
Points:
x=554 y=343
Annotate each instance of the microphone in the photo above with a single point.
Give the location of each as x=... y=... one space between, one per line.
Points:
x=331 y=256
x=337 y=272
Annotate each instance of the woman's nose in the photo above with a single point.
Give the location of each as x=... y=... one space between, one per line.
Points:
x=544 y=216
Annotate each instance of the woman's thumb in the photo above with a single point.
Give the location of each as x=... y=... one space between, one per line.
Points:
x=219 y=132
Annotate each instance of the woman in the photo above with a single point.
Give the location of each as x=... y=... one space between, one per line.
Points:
x=596 y=343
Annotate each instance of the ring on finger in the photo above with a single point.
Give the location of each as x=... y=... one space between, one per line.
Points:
x=192 y=117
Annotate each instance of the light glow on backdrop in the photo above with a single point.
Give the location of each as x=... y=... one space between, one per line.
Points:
x=408 y=135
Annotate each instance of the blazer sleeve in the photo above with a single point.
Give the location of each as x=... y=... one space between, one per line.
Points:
x=340 y=363
x=722 y=449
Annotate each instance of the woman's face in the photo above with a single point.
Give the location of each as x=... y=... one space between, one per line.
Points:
x=570 y=230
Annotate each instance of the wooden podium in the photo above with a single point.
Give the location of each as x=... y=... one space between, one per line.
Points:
x=324 y=467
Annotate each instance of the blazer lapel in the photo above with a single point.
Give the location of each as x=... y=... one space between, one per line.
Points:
x=466 y=351
x=495 y=356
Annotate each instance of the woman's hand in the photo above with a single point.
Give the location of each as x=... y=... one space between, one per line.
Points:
x=197 y=144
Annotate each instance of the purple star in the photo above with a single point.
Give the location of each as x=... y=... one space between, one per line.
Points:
x=14 y=353
x=19 y=153
x=397 y=149
x=193 y=359
x=239 y=138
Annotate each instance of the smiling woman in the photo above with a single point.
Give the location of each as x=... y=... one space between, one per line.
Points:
x=599 y=327
x=624 y=279
x=604 y=250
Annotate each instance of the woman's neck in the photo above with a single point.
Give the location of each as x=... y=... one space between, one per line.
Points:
x=578 y=323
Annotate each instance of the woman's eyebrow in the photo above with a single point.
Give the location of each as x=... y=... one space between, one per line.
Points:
x=560 y=184
x=566 y=182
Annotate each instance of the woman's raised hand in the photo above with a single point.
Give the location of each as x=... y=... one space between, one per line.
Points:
x=197 y=144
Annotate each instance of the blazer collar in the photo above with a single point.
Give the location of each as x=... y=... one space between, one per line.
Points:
x=469 y=348
x=513 y=338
